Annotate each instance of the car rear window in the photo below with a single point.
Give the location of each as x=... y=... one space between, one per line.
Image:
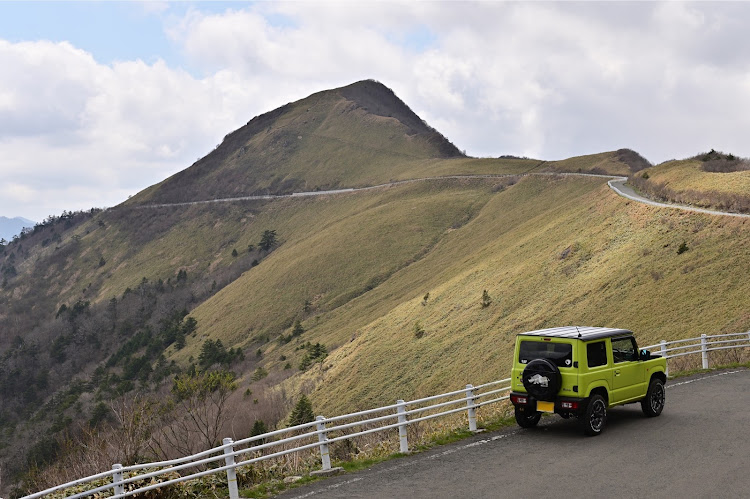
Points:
x=559 y=353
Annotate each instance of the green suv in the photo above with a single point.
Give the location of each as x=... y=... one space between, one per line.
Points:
x=581 y=372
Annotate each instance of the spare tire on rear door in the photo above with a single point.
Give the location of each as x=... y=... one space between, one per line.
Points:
x=542 y=379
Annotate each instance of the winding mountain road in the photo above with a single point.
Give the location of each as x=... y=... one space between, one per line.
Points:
x=698 y=447
x=616 y=183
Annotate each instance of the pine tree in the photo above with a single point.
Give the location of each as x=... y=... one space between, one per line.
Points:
x=297 y=330
x=268 y=240
x=302 y=413
x=259 y=428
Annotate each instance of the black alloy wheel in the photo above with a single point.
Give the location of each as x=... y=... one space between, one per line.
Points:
x=594 y=418
x=653 y=404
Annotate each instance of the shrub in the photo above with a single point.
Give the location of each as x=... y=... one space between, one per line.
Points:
x=297 y=330
x=315 y=353
x=683 y=248
x=214 y=352
x=486 y=300
x=259 y=374
x=418 y=330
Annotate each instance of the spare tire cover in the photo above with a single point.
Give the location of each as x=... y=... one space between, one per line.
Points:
x=542 y=379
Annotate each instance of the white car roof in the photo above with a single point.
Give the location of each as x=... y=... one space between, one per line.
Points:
x=578 y=332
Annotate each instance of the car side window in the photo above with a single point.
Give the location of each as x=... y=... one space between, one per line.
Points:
x=623 y=350
x=596 y=354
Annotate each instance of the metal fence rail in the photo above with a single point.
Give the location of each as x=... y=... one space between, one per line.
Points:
x=231 y=455
x=315 y=434
x=701 y=345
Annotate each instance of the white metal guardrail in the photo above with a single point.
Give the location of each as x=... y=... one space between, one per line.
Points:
x=701 y=345
x=301 y=437
x=224 y=458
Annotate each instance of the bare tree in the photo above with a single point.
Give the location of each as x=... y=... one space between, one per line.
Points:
x=196 y=416
x=136 y=420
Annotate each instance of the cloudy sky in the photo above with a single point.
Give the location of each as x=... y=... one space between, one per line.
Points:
x=99 y=100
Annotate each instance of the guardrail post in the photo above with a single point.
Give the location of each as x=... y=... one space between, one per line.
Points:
x=403 y=442
x=323 y=439
x=704 y=352
x=663 y=348
x=471 y=409
x=231 y=472
x=117 y=486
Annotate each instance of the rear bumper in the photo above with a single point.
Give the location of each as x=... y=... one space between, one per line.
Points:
x=562 y=405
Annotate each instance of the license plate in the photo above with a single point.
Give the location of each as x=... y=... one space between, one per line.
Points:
x=542 y=406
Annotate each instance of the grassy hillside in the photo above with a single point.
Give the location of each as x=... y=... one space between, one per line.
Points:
x=548 y=251
x=361 y=134
x=708 y=180
x=620 y=162
x=354 y=136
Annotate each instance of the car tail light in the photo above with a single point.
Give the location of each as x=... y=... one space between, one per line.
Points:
x=519 y=399
x=569 y=405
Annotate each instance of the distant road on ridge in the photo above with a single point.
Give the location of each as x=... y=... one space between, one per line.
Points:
x=616 y=183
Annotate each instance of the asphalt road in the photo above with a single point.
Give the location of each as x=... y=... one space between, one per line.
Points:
x=618 y=185
x=698 y=447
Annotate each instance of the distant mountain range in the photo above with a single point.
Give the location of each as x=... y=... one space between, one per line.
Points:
x=10 y=227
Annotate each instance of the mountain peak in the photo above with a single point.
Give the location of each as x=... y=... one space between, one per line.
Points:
x=351 y=136
x=377 y=99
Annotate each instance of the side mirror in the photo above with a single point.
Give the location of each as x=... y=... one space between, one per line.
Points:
x=645 y=355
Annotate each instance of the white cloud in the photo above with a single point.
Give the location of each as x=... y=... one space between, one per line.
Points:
x=107 y=130
x=548 y=80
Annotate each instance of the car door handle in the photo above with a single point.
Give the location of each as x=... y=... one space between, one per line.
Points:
x=617 y=372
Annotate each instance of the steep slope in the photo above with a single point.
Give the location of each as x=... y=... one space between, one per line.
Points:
x=355 y=135
x=549 y=251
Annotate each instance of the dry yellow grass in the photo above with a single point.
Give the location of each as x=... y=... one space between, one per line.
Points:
x=688 y=175
x=549 y=251
x=605 y=162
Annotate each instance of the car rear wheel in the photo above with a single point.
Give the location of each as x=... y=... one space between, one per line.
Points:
x=594 y=418
x=653 y=404
x=527 y=419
